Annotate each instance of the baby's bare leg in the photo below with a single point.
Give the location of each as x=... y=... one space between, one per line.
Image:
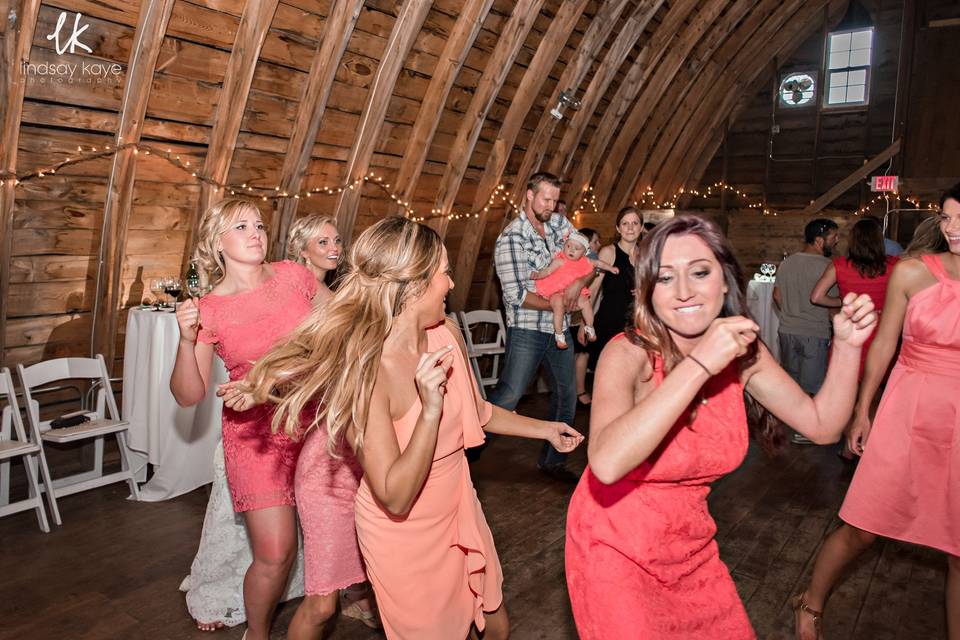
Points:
x=556 y=303
x=586 y=310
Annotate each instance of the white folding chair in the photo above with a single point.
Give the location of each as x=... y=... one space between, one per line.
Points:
x=27 y=447
x=105 y=420
x=486 y=322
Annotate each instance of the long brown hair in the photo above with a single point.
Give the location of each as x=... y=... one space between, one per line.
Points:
x=866 y=251
x=651 y=334
x=331 y=361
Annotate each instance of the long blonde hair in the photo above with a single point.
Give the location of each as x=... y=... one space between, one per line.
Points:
x=302 y=231
x=330 y=362
x=215 y=221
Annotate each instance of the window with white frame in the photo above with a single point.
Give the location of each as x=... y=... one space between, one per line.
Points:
x=848 y=67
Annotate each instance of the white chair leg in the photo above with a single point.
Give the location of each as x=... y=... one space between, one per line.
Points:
x=98 y=456
x=48 y=487
x=125 y=464
x=29 y=464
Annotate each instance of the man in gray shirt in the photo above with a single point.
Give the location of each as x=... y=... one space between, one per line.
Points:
x=805 y=327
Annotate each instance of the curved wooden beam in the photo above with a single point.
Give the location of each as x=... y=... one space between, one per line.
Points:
x=454 y=53
x=18 y=21
x=404 y=31
x=232 y=102
x=666 y=99
x=659 y=83
x=533 y=78
x=514 y=32
x=151 y=27
x=795 y=24
x=590 y=46
x=624 y=43
x=337 y=31
x=626 y=93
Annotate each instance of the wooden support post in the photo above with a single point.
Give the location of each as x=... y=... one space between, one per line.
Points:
x=232 y=102
x=818 y=98
x=405 y=29
x=771 y=134
x=633 y=82
x=337 y=30
x=574 y=73
x=18 y=22
x=622 y=45
x=514 y=32
x=431 y=108
x=841 y=187
x=533 y=78
x=151 y=27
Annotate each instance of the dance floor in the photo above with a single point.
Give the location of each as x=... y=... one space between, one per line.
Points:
x=112 y=569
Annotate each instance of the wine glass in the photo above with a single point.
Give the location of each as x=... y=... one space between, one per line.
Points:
x=156 y=288
x=173 y=287
x=194 y=288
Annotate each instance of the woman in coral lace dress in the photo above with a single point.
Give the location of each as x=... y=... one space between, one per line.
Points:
x=392 y=382
x=907 y=485
x=667 y=419
x=252 y=306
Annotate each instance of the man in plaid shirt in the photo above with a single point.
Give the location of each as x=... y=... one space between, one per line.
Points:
x=526 y=244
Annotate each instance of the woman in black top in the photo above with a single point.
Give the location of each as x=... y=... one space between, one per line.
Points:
x=617 y=288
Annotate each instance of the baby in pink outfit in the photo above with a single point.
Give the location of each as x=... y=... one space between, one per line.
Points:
x=570 y=264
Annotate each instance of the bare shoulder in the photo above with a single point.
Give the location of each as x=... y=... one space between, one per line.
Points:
x=910 y=275
x=608 y=253
x=626 y=359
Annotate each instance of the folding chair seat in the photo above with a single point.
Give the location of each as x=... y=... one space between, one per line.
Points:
x=483 y=322
x=17 y=443
x=105 y=421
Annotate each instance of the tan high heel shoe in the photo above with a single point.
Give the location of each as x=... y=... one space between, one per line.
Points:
x=799 y=608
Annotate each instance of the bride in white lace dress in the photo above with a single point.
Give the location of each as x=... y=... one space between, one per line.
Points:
x=214 y=588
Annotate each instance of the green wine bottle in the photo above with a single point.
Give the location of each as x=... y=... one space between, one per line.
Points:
x=193 y=280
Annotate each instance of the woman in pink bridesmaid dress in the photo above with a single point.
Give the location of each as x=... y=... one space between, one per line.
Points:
x=252 y=306
x=667 y=419
x=907 y=485
x=392 y=382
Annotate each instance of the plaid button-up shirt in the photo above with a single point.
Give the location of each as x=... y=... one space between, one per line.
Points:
x=520 y=250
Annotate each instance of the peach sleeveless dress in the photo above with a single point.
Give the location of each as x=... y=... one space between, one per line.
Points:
x=907 y=485
x=435 y=570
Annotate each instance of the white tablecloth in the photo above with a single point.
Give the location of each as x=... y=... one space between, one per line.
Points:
x=760 y=304
x=178 y=442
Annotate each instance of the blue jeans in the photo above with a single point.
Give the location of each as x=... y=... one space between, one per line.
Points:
x=526 y=350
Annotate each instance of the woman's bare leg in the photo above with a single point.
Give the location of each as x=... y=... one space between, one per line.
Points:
x=838 y=550
x=311 y=617
x=273 y=538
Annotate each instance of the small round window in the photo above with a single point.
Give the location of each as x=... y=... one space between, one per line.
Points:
x=797 y=90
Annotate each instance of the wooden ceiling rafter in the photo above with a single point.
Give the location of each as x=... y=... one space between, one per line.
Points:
x=404 y=32
x=237 y=80
x=18 y=23
x=498 y=66
x=783 y=32
x=625 y=95
x=323 y=69
x=144 y=51
x=602 y=25
x=624 y=43
x=454 y=54
x=672 y=95
x=544 y=59
x=700 y=24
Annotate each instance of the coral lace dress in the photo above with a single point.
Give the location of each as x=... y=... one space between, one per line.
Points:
x=435 y=570
x=907 y=485
x=641 y=559
x=243 y=327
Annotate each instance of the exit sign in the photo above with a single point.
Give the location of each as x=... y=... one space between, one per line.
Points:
x=884 y=183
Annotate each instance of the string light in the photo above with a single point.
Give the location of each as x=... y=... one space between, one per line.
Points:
x=648 y=199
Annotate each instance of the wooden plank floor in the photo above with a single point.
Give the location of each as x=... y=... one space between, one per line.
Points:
x=112 y=569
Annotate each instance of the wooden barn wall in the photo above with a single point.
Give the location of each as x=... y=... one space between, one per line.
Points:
x=793 y=176
x=57 y=219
